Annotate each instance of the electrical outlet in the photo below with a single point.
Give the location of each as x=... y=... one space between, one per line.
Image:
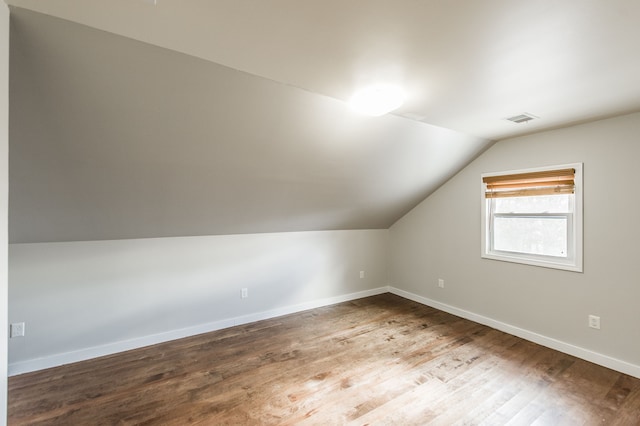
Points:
x=440 y=283
x=245 y=293
x=594 y=322
x=17 y=329
x=361 y=274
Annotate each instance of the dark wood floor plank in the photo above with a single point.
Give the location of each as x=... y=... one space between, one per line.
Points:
x=381 y=360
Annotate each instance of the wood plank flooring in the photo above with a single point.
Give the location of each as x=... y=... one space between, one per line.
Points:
x=381 y=360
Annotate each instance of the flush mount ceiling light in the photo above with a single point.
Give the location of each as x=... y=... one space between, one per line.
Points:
x=377 y=100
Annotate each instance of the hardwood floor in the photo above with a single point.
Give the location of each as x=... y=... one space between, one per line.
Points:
x=381 y=360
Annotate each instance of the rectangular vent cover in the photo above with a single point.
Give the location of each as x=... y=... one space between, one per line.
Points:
x=522 y=118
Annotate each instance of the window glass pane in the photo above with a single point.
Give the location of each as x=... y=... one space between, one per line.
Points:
x=541 y=204
x=539 y=235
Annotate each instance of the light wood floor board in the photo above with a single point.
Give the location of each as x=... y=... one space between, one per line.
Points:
x=380 y=360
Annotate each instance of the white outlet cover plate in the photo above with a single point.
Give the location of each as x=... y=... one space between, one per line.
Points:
x=17 y=329
x=594 y=321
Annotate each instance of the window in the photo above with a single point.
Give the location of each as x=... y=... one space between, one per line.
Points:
x=534 y=217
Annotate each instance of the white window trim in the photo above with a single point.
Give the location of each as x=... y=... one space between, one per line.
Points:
x=574 y=235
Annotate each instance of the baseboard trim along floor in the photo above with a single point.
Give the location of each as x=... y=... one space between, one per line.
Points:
x=112 y=348
x=567 y=348
x=56 y=360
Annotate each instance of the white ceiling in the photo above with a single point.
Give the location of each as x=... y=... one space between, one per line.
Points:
x=199 y=117
x=467 y=64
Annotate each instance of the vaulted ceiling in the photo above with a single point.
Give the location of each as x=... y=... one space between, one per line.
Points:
x=132 y=119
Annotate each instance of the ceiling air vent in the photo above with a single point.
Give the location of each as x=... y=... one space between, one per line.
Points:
x=522 y=118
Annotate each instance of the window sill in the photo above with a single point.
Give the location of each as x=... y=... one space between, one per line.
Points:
x=525 y=260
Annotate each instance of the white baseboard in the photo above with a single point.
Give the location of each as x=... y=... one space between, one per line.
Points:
x=595 y=357
x=55 y=360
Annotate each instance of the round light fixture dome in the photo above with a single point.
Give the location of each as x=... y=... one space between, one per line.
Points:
x=377 y=100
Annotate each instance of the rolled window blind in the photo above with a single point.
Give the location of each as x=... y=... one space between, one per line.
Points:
x=548 y=182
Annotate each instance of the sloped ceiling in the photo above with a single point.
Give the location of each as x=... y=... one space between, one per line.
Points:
x=114 y=138
x=467 y=64
x=143 y=118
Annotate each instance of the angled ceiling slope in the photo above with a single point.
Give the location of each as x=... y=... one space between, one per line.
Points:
x=114 y=138
x=467 y=64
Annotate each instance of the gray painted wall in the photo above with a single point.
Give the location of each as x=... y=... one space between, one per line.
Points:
x=440 y=238
x=4 y=200
x=116 y=139
x=83 y=299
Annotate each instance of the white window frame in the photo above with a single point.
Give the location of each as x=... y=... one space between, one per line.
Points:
x=573 y=261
